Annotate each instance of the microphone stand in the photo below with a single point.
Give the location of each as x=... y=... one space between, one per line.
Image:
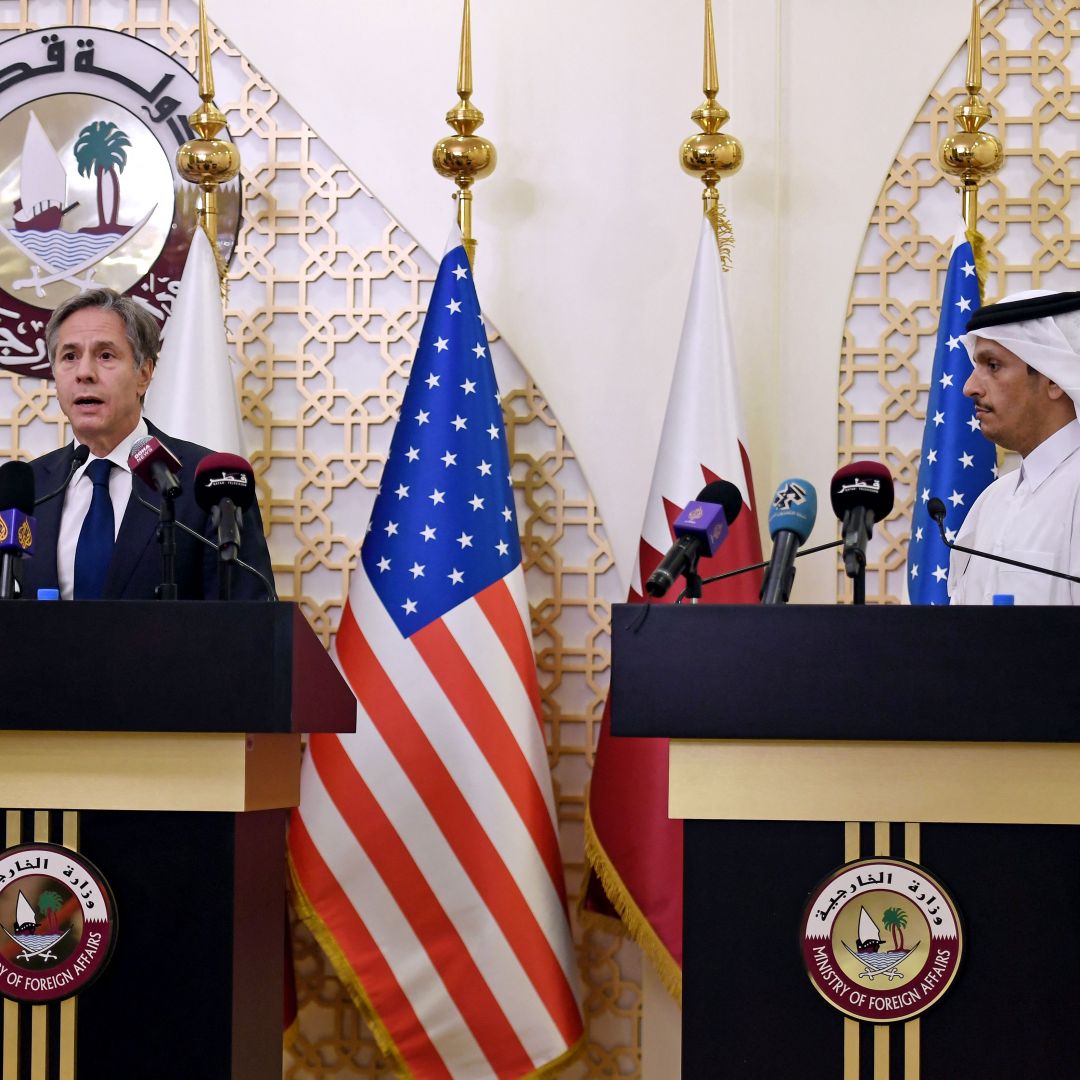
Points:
x=271 y=592
x=858 y=584
x=167 y=539
x=692 y=592
x=7 y=576
x=1001 y=558
x=757 y=566
x=226 y=519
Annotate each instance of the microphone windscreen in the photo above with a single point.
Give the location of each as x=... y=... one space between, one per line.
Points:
x=724 y=493
x=224 y=476
x=146 y=453
x=862 y=483
x=705 y=521
x=793 y=509
x=17 y=486
x=936 y=509
x=82 y=452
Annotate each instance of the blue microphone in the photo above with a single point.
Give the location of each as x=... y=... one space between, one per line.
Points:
x=791 y=520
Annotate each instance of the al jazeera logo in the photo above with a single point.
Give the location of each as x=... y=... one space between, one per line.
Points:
x=16 y=531
x=90 y=122
x=57 y=923
x=881 y=940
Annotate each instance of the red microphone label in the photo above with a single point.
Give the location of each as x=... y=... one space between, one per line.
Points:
x=57 y=923
x=881 y=940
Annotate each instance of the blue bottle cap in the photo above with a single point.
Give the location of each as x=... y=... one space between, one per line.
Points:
x=48 y=594
x=1004 y=600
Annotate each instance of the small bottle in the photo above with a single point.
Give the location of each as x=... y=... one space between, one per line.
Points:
x=48 y=594
x=1003 y=600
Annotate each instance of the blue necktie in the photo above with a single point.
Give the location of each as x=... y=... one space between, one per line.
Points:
x=94 y=549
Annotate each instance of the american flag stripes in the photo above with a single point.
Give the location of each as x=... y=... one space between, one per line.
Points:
x=425 y=848
x=957 y=461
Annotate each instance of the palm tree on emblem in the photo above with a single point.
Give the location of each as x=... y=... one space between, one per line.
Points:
x=895 y=919
x=101 y=149
x=49 y=903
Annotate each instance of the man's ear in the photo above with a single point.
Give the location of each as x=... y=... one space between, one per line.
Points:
x=1054 y=391
x=146 y=370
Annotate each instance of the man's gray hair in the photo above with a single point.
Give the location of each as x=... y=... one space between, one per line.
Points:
x=142 y=331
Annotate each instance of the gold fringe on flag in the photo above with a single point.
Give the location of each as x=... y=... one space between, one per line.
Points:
x=725 y=233
x=979 y=246
x=349 y=979
x=634 y=924
x=346 y=975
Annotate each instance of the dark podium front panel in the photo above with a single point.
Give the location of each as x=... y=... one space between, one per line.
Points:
x=172 y=775
x=751 y=1013
x=804 y=738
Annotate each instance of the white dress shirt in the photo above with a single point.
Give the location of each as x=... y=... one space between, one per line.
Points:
x=1032 y=515
x=77 y=502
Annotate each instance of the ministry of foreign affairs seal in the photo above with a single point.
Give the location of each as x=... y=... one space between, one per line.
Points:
x=57 y=923
x=881 y=940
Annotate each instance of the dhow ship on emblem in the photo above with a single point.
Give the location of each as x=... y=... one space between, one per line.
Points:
x=55 y=253
x=869 y=942
x=36 y=943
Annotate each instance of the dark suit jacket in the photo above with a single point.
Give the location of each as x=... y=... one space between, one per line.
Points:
x=135 y=570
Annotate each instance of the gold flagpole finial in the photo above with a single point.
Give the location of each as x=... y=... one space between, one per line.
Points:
x=464 y=156
x=972 y=155
x=208 y=161
x=712 y=154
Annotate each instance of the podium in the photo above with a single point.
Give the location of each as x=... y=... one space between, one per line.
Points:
x=162 y=743
x=805 y=737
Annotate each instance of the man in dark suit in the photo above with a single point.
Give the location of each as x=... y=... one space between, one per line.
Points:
x=96 y=539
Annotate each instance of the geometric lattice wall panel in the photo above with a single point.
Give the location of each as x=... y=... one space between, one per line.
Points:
x=1027 y=216
x=327 y=297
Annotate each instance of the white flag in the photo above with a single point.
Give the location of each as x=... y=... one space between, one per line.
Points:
x=193 y=395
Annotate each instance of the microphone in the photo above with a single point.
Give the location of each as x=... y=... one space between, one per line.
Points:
x=225 y=488
x=791 y=520
x=77 y=461
x=936 y=509
x=700 y=530
x=16 y=524
x=861 y=494
x=155 y=464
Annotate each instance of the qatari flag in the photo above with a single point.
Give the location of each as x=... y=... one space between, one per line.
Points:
x=635 y=851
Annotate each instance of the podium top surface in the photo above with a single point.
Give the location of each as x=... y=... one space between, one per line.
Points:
x=716 y=671
x=117 y=665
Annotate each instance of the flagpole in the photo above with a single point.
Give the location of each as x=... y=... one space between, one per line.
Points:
x=970 y=154
x=464 y=156
x=208 y=161
x=712 y=154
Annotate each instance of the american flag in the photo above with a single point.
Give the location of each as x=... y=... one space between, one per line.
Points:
x=425 y=848
x=957 y=462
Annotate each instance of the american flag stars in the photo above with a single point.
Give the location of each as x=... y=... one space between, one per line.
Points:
x=448 y=495
x=956 y=461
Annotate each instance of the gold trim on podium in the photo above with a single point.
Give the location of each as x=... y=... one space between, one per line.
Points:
x=108 y=770
x=976 y=783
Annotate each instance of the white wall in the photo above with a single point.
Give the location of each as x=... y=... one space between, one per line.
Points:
x=587 y=227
